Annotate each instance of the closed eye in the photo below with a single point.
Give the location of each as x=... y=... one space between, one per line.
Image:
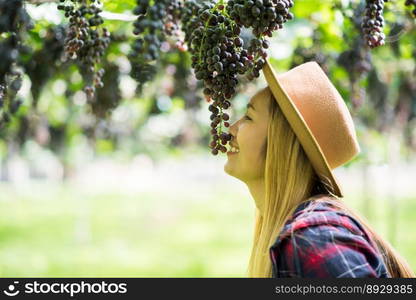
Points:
x=247 y=117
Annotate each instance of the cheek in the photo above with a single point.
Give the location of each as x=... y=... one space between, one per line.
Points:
x=250 y=140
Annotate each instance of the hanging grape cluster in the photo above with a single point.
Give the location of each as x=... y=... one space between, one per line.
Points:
x=373 y=23
x=14 y=22
x=411 y=3
x=189 y=19
x=110 y=94
x=357 y=59
x=86 y=40
x=215 y=33
x=156 y=20
x=358 y=62
x=173 y=15
x=212 y=33
x=264 y=17
x=217 y=58
x=45 y=62
x=10 y=78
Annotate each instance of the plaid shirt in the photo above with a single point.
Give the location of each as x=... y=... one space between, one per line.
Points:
x=321 y=242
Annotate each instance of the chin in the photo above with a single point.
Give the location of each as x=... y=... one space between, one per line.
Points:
x=228 y=169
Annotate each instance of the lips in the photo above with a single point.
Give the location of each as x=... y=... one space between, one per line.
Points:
x=232 y=152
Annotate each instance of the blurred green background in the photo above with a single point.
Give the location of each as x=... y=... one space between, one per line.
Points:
x=181 y=217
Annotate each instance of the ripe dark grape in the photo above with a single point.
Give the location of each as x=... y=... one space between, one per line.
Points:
x=86 y=40
x=373 y=23
x=155 y=21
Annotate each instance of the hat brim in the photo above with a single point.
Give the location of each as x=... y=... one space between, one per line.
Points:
x=301 y=129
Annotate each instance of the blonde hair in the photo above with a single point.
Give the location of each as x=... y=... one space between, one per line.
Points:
x=290 y=180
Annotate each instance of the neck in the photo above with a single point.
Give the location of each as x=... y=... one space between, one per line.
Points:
x=257 y=191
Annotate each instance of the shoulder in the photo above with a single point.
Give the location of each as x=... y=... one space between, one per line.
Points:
x=321 y=241
x=321 y=211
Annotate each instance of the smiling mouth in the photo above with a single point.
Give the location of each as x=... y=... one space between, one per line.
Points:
x=233 y=152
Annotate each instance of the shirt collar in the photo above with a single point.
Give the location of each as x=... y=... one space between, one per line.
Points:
x=301 y=207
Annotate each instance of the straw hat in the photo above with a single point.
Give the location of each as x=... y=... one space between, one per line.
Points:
x=318 y=116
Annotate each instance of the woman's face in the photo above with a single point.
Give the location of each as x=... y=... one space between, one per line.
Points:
x=249 y=134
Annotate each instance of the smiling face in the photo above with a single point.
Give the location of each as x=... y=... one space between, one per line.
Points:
x=249 y=135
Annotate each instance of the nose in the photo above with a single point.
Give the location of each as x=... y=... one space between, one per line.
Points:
x=233 y=129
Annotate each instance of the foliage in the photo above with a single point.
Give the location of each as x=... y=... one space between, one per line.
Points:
x=377 y=84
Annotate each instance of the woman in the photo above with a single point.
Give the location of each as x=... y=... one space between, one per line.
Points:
x=296 y=130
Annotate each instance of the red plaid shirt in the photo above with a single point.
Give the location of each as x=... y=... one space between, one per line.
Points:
x=320 y=242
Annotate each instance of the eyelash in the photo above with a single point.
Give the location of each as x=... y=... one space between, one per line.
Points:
x=247 y=117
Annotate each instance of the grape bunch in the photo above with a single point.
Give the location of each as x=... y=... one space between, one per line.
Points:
x=212 y=36
x=86 y=40
x=373 y=23
x=263 y=16
x=219 y=56
x=410 y=3
x=14 y=22
x=46 y=61
x=110 y=94
x=10 y=77
x=173 y=15
x=13 y=16
x=156 y=20
x=189 y=20
x=357 y=61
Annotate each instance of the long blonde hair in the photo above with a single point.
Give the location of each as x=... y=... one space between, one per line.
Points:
x=289 y=180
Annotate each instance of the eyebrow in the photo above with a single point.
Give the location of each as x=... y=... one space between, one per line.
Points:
x=250 y=105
